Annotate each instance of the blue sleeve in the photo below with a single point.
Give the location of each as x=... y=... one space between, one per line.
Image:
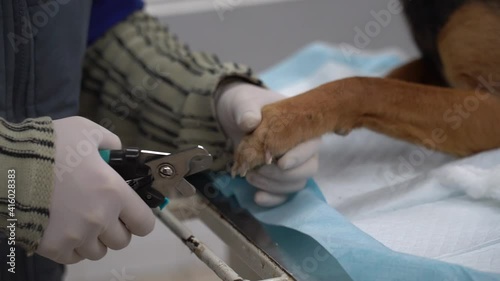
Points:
x=107 y=13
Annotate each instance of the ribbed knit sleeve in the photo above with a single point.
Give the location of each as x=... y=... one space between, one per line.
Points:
x=26 y=180
x=154 y=92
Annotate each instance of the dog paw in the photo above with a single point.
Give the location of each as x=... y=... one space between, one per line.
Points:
x=278 y=132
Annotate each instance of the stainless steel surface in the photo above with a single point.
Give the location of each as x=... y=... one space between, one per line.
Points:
x=264 y=266
x=146 y=152
x=250 y=254
x=169 y=169
x=263 y=247
x=197 y=247
x=166 y=171
x=281 y=278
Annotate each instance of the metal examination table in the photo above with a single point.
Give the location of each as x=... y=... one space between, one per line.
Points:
x=261 y=36
x=234 y=225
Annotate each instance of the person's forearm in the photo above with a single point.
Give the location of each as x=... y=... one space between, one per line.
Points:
x=26 y=180
x=141 y=74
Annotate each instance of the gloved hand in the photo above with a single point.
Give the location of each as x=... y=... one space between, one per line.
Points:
x=92 y=207
x=239 y=112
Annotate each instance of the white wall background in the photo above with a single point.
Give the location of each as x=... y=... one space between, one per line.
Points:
x=179 y=7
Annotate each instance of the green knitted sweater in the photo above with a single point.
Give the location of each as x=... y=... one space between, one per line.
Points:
x=139 y=82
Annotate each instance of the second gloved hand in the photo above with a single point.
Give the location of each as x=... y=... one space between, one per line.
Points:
x=92 y=207
x=239 y=112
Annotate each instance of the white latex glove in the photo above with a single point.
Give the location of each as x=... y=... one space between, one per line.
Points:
x=92 y=207
x=239 y=112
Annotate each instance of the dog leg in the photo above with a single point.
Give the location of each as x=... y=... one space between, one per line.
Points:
x=459 y=122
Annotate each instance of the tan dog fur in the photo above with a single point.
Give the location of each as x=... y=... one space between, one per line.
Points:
x=462 y=118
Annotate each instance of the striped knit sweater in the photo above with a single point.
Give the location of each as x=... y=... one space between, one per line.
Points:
x=141 y=83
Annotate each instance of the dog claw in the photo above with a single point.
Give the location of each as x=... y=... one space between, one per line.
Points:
x=342 y=132
x=242 y=171
x=269 y=157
